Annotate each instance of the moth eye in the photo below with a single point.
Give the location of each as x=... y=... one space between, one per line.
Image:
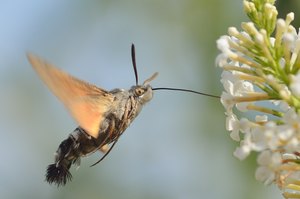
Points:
x=139 y=91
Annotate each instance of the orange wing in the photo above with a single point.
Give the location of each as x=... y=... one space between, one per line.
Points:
x=86 y=102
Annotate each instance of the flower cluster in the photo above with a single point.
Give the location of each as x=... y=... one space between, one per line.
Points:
x=261 y=77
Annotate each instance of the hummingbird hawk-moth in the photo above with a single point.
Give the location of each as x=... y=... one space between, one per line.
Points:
x=102 y=115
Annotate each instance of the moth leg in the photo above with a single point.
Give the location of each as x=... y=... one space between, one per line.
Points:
x=109 y=138
x=104 y=148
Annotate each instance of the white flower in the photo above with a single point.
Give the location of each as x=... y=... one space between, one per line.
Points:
x=259 y=138
x=295 y=84
x=289 y=39
x=293 y=145
x=261 y=74
x=232 y=124
x=223 y=45
x=265 y=175
x=282 y=105
x=261 y=118
x=245 y=148
x=268 y=161
x=234 y=87
x=242 y=152
x=236 y=126
x=243 y=106
x=228 y=101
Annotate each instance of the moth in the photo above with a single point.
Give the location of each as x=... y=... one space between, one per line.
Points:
x=102 y=115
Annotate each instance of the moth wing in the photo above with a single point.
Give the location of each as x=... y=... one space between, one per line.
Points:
x=86 y=102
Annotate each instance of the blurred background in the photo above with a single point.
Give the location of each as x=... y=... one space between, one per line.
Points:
x=177 y=148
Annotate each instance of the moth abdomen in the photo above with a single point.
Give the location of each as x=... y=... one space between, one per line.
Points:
x=58 y=174
x=69 y=152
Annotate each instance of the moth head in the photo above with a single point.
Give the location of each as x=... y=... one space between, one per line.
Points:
x=143 y=93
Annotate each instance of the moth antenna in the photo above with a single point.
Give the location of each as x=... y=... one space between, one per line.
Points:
x=134 y=64
x=186 y=90
x=147 y=81
x=112 y=146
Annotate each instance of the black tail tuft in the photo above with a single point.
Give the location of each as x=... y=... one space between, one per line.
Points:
x=58 y=174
